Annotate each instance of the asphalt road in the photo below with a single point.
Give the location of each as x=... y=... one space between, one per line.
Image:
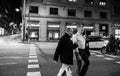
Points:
x=35 y=59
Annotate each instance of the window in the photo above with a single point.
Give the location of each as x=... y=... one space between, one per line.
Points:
x=72 y=0
x=103 y=15
x=71 y=12
x=33 y=9
x=117 y=10
x=54 y=11
x=89 y=2
x=117 y=33
x=88 y=13
x=102 y=2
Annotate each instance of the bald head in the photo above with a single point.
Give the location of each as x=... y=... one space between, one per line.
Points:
x=69 y=31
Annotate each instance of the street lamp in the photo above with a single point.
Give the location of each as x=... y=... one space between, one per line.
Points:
x=17 y=10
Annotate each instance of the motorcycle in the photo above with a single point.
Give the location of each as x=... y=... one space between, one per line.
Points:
x=110 y=48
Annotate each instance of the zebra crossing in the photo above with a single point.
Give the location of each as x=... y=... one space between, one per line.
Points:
x=33 y=62
x=106 y=56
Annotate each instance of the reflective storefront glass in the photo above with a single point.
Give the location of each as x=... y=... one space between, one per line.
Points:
x=53 y=31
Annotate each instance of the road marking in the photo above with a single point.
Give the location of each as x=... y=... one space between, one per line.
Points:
x=96 y=52
x=12 y=63
x=109 y=58
x=118 y=62
x=34 y=73
x=92 y=53
x=32 y=56
x=12 y=57
x=99 y=55
x=33 y=60
x=33 y=66
x=112 y=56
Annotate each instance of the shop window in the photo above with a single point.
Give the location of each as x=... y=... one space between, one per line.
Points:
x=72 y=0
x=33 y=23
x=89 y=2
x=103 y=15
x=53 y=11
x=102 y=2
x=33 y=9
x=88 y=13
x=117 y=33
x=104 y=29
x=71 y=12
x=53 y=32
x=74 y=27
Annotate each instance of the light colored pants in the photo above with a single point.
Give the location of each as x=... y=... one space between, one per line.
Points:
x=67 y=69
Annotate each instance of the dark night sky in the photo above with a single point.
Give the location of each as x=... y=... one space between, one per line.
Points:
x=11 y=4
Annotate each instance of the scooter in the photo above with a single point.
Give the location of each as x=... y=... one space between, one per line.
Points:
x=114 y=49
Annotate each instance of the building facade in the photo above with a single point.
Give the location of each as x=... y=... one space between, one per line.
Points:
x=47 y=19
x=115 y=16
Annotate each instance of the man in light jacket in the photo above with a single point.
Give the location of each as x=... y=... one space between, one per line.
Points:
x=83 y=51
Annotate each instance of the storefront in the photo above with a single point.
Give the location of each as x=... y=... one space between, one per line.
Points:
x=53 y=31
x=88 y=29
x=33 y=29
x=73 y=26
x=103 y=29
x=117 y=30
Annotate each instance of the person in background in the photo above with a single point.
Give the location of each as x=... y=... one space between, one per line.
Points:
x=83 y=51
x=64 y=51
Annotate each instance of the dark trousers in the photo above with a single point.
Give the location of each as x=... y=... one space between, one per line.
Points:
x=81 y=70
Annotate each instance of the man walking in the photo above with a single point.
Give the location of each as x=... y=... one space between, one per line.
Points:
x=83 y=50
x=64 y=51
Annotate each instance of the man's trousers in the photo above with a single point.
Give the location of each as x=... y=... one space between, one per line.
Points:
x=65 y=68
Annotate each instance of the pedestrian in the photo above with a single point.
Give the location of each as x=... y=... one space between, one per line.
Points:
x=82 y=53
x=26 y=36
x=64 y=51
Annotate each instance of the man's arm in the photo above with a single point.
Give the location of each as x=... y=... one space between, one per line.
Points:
x=58 y=50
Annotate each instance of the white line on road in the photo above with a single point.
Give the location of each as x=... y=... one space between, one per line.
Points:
x=99 y=55
x=33 y=66
x=34 y=73
x=109 y=58
x=92 y=53
x=118 y=62
x=96 y=52
x=32 y=60
x=112 y=56
x=12 y=63
x=32 y=56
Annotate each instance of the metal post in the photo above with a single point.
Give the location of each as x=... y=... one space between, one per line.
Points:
x=24 y=20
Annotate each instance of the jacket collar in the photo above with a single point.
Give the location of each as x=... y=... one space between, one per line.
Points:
x=68 y=36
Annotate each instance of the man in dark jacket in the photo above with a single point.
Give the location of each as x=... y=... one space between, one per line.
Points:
x=64 y=51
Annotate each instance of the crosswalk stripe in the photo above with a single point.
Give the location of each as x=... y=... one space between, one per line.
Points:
x=33 y=60
x=99 y=55
x=118 y=62
x=112 y=56
x=33 y=66
x=92 y=53
x=34 y=73
x=109 y=58
x=32 y=56
x=96 y=52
